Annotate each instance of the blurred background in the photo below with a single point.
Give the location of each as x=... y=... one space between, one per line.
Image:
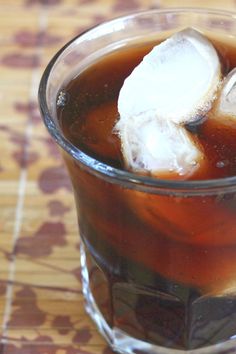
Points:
x=41 y=306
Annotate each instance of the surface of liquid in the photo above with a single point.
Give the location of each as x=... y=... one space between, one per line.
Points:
x=162 y=268
x=90 y=113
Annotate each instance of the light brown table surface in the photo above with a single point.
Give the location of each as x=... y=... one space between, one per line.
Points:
x=41 y=306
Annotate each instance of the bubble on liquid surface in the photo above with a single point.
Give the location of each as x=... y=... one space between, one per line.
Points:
x=61 y=99
x=222 y=164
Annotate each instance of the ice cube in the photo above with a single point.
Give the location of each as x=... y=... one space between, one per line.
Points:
x=174 y=83
x=227 y=100
x=176 y=80
x=156 y=145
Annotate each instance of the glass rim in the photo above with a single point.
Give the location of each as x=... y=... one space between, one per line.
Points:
x=102 y=169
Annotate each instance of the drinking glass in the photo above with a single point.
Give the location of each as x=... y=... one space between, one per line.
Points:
x=158 y=256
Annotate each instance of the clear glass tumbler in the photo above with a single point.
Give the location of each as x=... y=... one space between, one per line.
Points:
x=158 y=257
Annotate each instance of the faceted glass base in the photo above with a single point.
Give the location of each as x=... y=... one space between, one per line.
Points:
x=123 y=343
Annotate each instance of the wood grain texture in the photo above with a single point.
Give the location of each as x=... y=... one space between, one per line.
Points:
x=41 y=305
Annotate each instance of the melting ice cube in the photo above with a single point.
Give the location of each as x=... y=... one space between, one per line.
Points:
x=175 y=81
x=227 y=102
x=158 y=145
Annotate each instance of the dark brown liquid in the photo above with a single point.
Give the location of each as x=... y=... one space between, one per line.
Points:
x=160 y=266
x=90 y=115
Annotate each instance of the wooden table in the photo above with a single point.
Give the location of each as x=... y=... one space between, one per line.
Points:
x=41 y=305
